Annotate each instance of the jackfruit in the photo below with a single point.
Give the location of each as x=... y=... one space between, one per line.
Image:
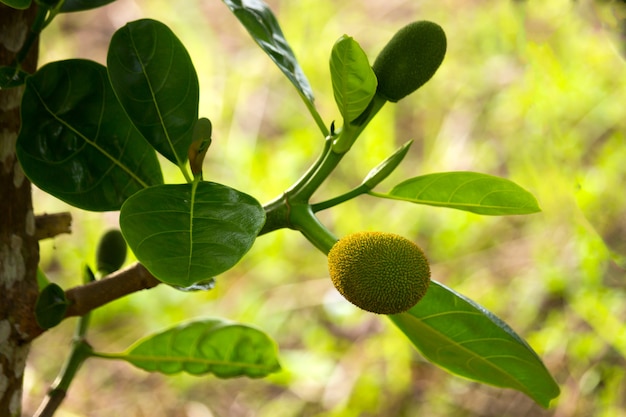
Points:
x=409 y=59
x=380 y=272
x=111 y=252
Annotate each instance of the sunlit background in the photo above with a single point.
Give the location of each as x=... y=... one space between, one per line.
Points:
x=533 y=91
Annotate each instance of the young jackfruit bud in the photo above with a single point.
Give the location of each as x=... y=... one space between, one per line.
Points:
x=409 y=59
x=379 y=272
x=111 y=252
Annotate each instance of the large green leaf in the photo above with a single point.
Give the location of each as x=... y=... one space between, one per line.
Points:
x=76 y=141
x=469 y=191
x=17 y=4
x=223 y=349
x=187 y=233
x=354 y=81
x=461 y=336
x=262 y=25
x=80 y=5
x=154 y=79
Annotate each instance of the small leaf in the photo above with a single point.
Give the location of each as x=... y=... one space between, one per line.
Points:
x=463 y=337
x=11 y=77
x=17 y=4
x=213 y=346
x=51 y=306
x=187 y=233
x=154 y=79
x=81 y=5
x=262 y=25
x=354 y=81
x=468 y=191
x=385 y=168
x=76 y=141
x=201 y=141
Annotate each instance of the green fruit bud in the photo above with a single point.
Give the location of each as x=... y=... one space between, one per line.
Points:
x=409 y=59
x=379 y=272
x=111 y=252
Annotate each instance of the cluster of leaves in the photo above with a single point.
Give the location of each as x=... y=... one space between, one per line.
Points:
x=91 y=135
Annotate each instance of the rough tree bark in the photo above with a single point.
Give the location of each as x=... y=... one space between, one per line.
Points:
x=19 y=252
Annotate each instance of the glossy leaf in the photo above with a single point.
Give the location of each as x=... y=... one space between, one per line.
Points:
x=354 y=81
x=154 y=79
x=80 y=5
x=262 y=25
x=461 y=336
x=51 y=306
x=213 y=346
x=76 y=141
x=468 y=191
x=17 y=4
x=11 y=77
x=187 y=233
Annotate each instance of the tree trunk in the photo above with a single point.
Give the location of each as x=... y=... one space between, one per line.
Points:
x=19 y=252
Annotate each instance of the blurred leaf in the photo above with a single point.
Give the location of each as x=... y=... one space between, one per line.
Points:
x=354 y=81
x=214 y=346
x=17 y=4
x=76 y=141
x=262 y=25
x=468 y=191
x=185 y=234
x=51 y=306
x=154 y=79
x=11 y=77
x=461 y=336
x=80 y=5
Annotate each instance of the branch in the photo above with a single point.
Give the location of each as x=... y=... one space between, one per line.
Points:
x=95 y=294
x=51 y=225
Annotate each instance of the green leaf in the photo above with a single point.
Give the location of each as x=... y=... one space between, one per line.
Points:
x=385 y=168
x=51 y=306
x=461 y=336
x=187 y=233
x=262 y=25
x=468 y=191
x=76 y=141
x=17 y=4
x=80 y=5
x=154 y=79
x=12 y=77
x=223 y=349
x=354 y=81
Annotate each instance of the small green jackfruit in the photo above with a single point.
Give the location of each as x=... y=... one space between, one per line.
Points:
x=111 y=252
x=380 y=272
x=409 y=59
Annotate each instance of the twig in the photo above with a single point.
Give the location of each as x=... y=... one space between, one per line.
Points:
x=88 y=297
x=51 y=225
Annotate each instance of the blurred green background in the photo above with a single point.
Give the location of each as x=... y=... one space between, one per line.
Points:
x=529 y=90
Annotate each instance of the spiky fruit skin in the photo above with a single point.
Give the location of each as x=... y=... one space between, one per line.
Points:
x=409 y=59
x=380 y=272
